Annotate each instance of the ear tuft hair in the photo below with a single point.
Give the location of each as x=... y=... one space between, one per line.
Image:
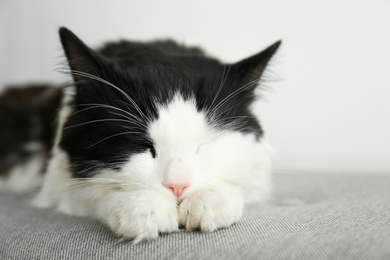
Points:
x=252 y=68
x=81 y=59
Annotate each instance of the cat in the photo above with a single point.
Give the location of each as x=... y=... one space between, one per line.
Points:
x=27 y=129
x=153 y=137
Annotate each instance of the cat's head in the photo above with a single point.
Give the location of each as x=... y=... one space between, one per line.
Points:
x=162 y=114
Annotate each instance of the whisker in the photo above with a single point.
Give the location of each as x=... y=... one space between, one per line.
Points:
x=232 y=120
x=231 y=95
x=97 y=121
x=76 y=186
x=137 y=124
x=229 y=109
x=224 y=77
x=88 y=75
x=111 y=136
x=134 y=120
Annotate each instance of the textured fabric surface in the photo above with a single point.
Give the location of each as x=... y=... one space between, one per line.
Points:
x=311 y=217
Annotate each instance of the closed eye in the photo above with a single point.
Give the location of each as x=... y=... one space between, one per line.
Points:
x=199 y=146
x=152 y=151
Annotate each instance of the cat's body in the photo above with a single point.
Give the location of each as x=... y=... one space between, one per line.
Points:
x=27 y=129
x=156 y=135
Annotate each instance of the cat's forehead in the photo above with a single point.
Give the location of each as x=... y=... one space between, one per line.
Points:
x=179 y=124
x=187 y=75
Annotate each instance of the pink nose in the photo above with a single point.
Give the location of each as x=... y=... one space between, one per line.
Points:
x=177 y=188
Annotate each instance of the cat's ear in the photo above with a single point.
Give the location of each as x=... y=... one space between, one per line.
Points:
x=251 y=69
x=81 y=59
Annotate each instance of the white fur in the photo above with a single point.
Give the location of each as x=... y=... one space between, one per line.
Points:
x=57 y=170
x=26 y=176
x=225 y=169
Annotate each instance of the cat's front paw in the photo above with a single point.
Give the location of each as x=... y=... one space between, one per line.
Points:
x=143 y=217
x=210 y=209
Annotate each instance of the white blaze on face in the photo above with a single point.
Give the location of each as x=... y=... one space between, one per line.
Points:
x=177 y=172
x=191 y=154
x=177 y=133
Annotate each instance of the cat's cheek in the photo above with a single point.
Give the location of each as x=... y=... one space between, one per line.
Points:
x=143 y=215
x=211 y=208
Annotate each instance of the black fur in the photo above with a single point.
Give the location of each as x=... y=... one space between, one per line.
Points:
x=27 y=115
x=149 y=73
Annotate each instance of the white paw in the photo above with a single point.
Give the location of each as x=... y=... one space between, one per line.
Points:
x=210 y=209
x=143 y=217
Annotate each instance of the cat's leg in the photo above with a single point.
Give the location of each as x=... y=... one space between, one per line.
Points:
x=140 y=215
x=129 y=207
x=236 y=179
x=135 y=212
x=210 y=208
x=56 y=180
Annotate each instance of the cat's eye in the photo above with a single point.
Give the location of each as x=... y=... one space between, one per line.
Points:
x=152 y=151
x=197 y=149
x=200 y=146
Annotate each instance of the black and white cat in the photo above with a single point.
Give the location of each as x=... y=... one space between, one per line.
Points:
x=153 y=136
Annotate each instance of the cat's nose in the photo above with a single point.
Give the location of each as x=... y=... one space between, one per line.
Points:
x=177 y=188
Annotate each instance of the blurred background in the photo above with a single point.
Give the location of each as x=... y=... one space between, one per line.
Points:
x=327 y=107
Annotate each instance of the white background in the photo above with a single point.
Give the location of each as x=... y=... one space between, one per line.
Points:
x=328 y=107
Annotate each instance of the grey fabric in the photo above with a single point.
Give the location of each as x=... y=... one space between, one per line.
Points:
x=312 y=217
